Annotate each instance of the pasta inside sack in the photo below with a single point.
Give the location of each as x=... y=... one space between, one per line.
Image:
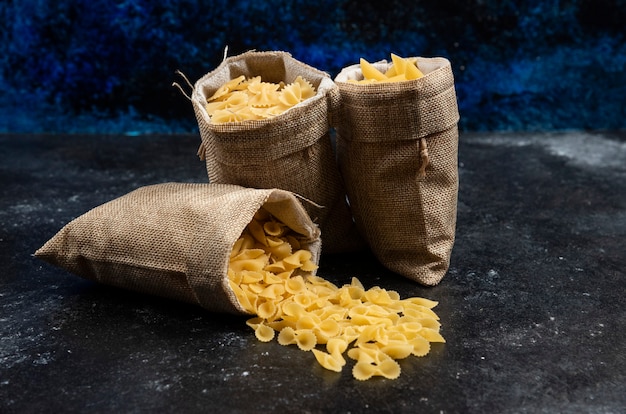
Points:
x=242 y=99
x=273 y=279
x=401 y=69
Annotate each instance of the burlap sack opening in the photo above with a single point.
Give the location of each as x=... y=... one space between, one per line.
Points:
x=291 y=151
x=173 y=239
x=397 y=150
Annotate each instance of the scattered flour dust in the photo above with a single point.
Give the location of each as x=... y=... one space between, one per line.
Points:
x=582 y=149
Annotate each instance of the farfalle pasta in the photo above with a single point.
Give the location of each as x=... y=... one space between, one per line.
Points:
x=242 y=99
x=273 y=280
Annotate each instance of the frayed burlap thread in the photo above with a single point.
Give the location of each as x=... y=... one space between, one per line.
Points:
x=173 y=240
x=291 y=151
x=397 y=150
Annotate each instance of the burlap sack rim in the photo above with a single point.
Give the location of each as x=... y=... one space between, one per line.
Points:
x=277 y=195
x=325 y=87
x=430 y=65
x=280 y=142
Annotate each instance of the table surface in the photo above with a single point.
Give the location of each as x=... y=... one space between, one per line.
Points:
x=532 y=307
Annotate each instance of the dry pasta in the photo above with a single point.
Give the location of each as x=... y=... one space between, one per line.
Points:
x=273 y=279
x=242 y=99
x=401 y=69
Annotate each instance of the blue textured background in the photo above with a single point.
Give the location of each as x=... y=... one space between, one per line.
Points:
x=107 y=66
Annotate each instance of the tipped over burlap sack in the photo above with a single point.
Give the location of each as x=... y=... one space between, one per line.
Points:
x=291 y=151
x=397 y=150
x=173 y=240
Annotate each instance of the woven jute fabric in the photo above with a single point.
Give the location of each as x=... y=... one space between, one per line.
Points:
x=173 y=240
x=397 y=149
x=291 y=151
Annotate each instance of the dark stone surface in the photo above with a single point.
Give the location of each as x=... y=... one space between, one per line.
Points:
x=532 y=307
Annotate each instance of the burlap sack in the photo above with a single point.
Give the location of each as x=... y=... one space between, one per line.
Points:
x=291 y=151
x=172 y=240
x=397 y=150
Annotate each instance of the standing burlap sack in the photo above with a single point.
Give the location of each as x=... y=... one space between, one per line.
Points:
x=291 y=151
x=397 y=150
x=173 y=240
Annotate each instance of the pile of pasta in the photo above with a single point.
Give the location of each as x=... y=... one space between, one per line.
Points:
x=401 y=69
x=242 y=99
x=272 y=278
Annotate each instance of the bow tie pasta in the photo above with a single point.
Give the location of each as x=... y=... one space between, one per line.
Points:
x=243 y=99
x=273 y=279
